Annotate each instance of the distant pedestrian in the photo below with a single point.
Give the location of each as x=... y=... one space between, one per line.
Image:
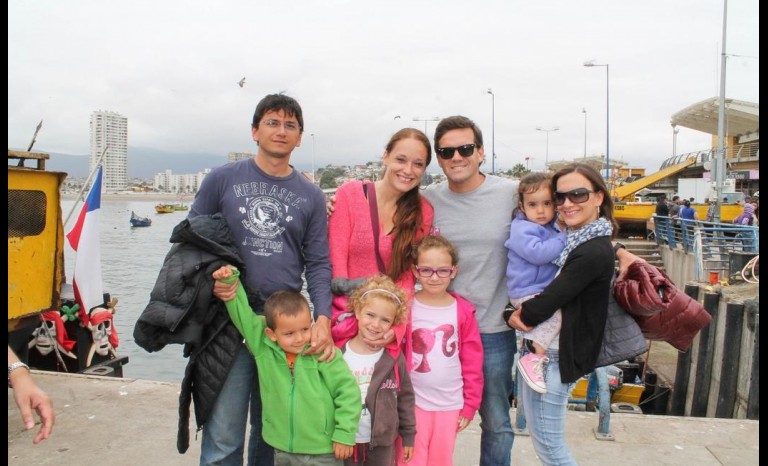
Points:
x=662 y=209
x=747 y=216
x=674 y=209
x=711 y=210
x=688 y=212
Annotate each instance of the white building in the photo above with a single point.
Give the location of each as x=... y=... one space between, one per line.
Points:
x=186 y=183
x=110 y=130
x=235 y=156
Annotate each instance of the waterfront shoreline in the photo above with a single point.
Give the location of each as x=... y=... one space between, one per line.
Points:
x=158 y=197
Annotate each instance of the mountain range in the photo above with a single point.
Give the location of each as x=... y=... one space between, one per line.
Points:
x=143 y=162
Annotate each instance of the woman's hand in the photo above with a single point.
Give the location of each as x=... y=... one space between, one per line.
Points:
x=625 y=259
x=387 y=338
x=517 y=323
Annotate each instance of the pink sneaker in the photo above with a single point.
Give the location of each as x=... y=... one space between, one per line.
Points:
x=531 y=367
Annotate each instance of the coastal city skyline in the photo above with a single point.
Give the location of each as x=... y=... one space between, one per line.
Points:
x=363 y=72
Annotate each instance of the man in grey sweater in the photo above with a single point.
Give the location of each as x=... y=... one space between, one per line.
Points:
x=474 y=211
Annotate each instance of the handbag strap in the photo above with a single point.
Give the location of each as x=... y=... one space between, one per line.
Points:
x=370 y=192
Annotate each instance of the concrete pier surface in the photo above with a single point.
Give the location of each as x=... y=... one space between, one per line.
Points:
x=104 y=420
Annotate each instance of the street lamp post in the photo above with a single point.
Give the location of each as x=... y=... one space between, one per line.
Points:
x=313 y=158
x=607 y=117
x=546 y=155
x=493 y=131
x=425 y=120
x=584 y=111
x=675 y=130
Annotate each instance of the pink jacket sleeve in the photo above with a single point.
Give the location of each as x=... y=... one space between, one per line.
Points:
x=471 y=356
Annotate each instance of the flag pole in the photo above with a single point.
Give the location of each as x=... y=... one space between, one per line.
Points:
x=86 y=185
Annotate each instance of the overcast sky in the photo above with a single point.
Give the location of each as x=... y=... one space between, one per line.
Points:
x=172 y=67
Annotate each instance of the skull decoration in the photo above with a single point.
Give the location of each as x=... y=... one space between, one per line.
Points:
x=52 y=335
x=103 y=334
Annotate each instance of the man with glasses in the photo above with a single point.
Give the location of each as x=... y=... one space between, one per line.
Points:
x=474 y=211
x=278 y=222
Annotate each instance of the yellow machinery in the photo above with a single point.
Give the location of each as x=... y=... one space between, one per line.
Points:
x=625 y=192
x=35 y=238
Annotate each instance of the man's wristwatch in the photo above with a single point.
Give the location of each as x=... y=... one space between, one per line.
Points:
x=13 y=367
x=618 y=246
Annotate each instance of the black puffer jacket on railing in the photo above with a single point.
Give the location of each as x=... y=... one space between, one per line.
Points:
x=183 y=310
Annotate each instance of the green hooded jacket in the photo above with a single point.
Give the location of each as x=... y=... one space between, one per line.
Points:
x=304 y=411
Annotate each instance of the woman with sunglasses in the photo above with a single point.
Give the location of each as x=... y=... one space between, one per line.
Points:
x=374 y=226
x=580 y=290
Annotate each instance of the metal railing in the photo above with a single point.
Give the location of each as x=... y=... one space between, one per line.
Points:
x=710 y=242
x=733 y=153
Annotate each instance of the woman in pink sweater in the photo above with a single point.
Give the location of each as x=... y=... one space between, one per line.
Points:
x=404 y=216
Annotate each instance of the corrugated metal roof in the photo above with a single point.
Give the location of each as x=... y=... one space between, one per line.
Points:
x=741 y=117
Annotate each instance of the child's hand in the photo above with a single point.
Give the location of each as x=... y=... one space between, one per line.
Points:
x=407 y=454
x=225 y=271
x=463 y=423
x=224 y=291
x=342 y=451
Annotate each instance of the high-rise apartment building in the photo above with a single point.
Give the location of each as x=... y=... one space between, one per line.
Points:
x=109 y=130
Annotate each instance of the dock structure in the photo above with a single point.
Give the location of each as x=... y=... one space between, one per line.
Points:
x=121 y=421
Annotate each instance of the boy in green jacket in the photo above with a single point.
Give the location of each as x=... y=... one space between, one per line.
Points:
x=310 y=410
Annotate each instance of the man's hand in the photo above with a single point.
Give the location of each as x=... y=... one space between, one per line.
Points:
x=342 y=451
x=387 y=338
x=329 y=204
x=322 y=343
x=517 y=323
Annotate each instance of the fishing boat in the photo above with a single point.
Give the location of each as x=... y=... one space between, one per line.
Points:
x=137 y=221
x=46 y=327
x=164 y=208
x=180 y=206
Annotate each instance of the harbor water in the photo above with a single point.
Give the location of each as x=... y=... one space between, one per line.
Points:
x=131 y=259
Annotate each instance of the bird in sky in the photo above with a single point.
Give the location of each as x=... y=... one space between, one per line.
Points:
x=397 y=117
x=241 y=83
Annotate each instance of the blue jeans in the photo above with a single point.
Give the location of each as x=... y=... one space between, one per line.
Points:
x=224 y=432
x=545 y=414
x=497 y=434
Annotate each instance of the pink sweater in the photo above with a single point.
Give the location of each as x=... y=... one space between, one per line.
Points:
x=353 y=255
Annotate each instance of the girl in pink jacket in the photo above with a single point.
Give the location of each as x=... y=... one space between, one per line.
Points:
x=447 y=355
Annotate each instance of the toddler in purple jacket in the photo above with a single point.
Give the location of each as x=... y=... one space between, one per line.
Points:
x=534 y=242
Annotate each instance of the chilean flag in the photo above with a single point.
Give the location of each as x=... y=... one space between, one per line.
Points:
x=84 y=239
